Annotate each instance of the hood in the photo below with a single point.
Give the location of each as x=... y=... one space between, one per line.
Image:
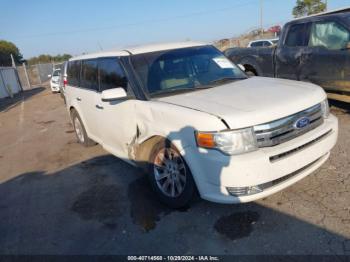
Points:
x=253 y=101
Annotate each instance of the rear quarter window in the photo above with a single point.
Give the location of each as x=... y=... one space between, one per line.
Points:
x=256 y=44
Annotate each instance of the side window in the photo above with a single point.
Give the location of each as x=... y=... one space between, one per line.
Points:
x=297 y=35
x=257 y=44
x=267 y=43
x=111 y=74
x=73 y=73
x=89 y=78
x=330 y=35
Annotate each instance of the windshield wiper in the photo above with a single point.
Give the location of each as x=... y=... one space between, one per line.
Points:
x=172 y=91
x=226 y=79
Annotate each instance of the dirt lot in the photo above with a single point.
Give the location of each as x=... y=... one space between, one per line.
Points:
x=57 y=197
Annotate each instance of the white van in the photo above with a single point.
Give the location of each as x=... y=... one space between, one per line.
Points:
x=196 y=123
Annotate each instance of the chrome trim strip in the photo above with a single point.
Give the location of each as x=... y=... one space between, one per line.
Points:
x=282 y=130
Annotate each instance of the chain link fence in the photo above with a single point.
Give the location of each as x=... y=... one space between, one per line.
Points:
x=34 y=75
x=9 y=82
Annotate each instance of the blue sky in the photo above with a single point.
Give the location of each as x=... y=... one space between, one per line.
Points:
x=77 y=26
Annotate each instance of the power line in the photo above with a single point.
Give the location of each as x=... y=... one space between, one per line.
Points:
x=112 y=27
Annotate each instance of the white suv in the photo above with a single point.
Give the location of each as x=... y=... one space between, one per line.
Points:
x=55 y=80
x=196 y=123
x=263 y=43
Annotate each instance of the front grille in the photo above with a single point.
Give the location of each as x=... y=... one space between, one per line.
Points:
x=297 y=149
x=283 y=130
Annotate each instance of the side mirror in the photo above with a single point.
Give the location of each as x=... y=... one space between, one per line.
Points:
x=49 y=76
x=113 y=94
x=241 y=67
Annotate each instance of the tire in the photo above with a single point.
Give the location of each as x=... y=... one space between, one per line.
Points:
x=80 y=131
x=177 y=188
x=250 y=73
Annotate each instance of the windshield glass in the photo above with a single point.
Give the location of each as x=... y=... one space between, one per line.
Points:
x=56 y=72
x=186 y=69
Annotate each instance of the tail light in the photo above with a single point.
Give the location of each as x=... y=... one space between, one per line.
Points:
x=64 y=82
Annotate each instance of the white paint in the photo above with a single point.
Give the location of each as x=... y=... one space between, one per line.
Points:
x=139 y=50
x=113 y=93
x=253 y=101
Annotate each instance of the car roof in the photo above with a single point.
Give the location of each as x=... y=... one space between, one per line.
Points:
x=260 y=40
x=139 y=50
x=162 y=47
x=332 y=12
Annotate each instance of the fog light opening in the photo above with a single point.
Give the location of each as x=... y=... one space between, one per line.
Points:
x=244 y=191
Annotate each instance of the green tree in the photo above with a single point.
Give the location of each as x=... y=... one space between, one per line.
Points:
x=308 y=7
x=6 y=49
x=44 y=58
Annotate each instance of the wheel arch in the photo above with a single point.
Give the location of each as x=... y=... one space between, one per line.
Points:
x=250 y=65
x=144 y=150
x=73 y=108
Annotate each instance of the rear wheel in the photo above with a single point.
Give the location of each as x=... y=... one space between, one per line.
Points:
x=170 y=176
x=250 y=73
x=250 y=70
x=80 y=130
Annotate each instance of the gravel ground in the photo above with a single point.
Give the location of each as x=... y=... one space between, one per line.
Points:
x=57 y=197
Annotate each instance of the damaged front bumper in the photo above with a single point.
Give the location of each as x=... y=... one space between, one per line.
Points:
x=248 y=177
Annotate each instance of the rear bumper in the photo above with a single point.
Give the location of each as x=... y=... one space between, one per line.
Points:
x=215 y=172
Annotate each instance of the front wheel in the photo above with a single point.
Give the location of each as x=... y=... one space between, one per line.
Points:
x=170 y=176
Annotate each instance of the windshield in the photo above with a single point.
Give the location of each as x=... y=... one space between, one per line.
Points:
x=56 y=73
x=274 y=41
x=186 y=69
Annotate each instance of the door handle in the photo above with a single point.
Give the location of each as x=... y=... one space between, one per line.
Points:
x=78 y=99
x=99 y=106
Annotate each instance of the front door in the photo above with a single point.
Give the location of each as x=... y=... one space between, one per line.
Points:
x=289 y=53
x=327 y=58
x=117 y=123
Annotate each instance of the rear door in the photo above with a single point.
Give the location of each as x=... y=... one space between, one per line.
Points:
x=87 y=97
x=73 y=82
x=327 y=57
x=289 y=53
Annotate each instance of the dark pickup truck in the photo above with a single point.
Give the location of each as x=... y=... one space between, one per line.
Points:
x=314 y=49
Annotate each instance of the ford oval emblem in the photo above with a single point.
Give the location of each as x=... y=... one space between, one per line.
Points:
x=302 y=122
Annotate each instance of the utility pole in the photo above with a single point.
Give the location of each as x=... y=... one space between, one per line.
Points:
x=261 y=19
x=13 y=61
x=326 y=5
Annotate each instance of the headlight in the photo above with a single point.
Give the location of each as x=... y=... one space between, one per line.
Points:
x=325 y=108
x=231 y=142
